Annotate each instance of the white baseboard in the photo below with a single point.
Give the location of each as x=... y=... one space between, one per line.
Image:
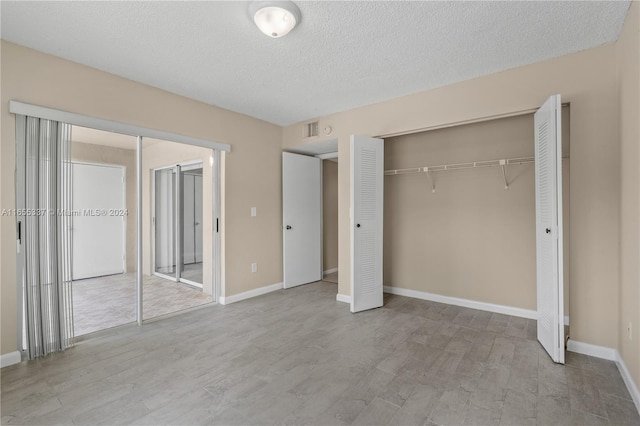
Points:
x=482 y=306
x=329 y=271
x=592 y=350
x=249 y=294
x=611 y=355
x=343 y=298
x=10 y=359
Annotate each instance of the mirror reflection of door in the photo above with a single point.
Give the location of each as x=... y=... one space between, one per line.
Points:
x=164 y=221
x=191 y=186
x=178 y=223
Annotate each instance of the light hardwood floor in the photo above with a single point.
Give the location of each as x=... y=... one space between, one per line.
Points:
x=299 y=357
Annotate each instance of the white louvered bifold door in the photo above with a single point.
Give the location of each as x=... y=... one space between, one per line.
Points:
x=367 y=173
x=549 y=261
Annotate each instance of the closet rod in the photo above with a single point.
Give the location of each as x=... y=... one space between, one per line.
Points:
x=460 y=166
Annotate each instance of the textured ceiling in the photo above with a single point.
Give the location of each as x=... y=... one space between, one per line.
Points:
x=341 y=56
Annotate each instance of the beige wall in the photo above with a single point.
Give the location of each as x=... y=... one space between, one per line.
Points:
x=156 y=154
x=253 y=168
x=588 y=81
x=628 y=65
x=470 y=239
x=329 y=214
x=99 y=154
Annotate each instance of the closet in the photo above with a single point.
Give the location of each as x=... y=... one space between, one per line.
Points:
x=459 y=212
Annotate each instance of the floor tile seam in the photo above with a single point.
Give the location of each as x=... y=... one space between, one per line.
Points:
x=613 y=395
x=586 y=412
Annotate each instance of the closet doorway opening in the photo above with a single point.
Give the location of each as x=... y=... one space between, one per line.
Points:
x=330 y=220
x=464 y=231
x=310 y=228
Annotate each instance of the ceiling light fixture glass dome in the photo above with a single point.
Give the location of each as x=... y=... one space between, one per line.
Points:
x=275 y=18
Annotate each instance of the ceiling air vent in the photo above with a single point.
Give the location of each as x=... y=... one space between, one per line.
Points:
x=310 y=129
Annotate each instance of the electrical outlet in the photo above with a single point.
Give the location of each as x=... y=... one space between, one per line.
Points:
x=629 y=331
x=254 y=267
x=253 y=212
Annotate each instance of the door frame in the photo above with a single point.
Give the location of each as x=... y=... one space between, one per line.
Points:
x=188 y=165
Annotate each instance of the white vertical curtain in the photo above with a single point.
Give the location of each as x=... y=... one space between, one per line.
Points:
x=45 y=146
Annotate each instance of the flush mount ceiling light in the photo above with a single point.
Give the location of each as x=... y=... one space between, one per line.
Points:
x=275 y=18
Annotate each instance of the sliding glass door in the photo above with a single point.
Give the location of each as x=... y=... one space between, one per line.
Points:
x=177 y=220
x=183 y=203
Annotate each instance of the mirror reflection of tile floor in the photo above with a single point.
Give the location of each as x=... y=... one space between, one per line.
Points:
x=192 y=272
x=105 y=302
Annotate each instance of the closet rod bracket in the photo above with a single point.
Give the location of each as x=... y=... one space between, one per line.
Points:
x=503 y=164
x=433 y=186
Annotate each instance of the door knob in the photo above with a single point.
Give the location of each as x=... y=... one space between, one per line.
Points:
x=548 y=230
x=288 y=227
x=358 y=226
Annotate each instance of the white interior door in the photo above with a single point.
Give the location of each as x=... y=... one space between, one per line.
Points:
x=367 y=184
x=98 y=237
x=549 y=260
x=301 y=219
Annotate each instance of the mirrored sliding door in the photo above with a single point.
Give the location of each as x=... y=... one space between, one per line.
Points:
x=179 y=228
x=191 y=215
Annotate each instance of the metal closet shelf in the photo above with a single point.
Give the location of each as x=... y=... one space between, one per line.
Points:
x=460 y=166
